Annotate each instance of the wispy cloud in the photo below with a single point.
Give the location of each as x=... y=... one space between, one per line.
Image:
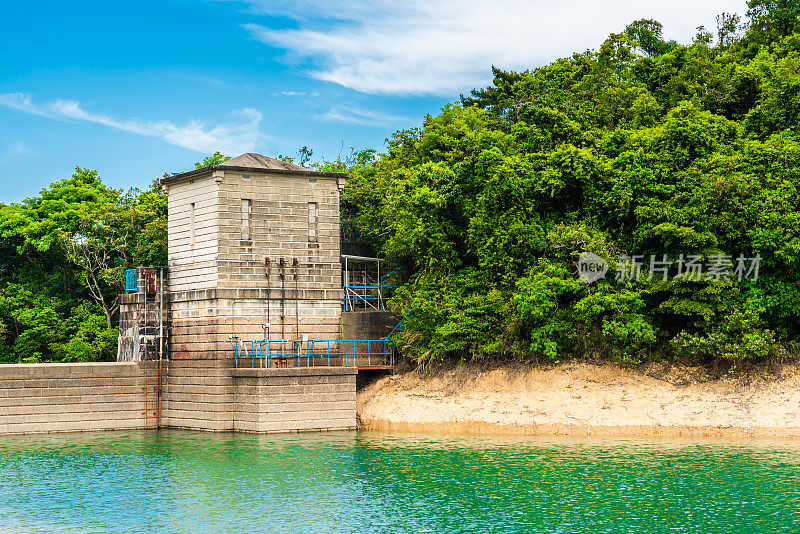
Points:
x=424 y=47
x=240 y=134
x=15 y=149
x=363 y=117
x=311 y=94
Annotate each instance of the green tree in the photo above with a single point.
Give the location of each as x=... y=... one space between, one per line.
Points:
x=214 y=159
x=772 y=19
x=647 y=34
x=61 y=269
x=643 y=148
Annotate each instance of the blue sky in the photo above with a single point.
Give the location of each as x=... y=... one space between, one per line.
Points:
x=135 y=89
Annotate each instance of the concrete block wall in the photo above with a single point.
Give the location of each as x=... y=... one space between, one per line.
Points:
x=202 y=327
x=193 y=262
x=198 y=395
x=209 y=395
x=295 y=400
x=218 y=257
x=279 y=228
x=203 y=321
x=213 y=395
x=220 y=282
x=72 y=397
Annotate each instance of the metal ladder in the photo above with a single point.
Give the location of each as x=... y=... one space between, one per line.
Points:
x=154 y=347
x=150 y=361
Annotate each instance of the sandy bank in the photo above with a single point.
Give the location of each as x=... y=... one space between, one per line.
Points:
x=585 y=399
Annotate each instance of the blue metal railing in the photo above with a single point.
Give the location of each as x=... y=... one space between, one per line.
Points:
x=398 y=328
x=376 y=351
x=263 y=350
x=329 y=352
x=381 y=284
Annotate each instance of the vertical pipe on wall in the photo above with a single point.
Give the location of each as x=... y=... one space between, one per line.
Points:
x=296 y=265
x=267 y=265
x=160 y=339
x=282 y=265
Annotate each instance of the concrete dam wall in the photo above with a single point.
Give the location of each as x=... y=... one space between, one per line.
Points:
x=200 y=395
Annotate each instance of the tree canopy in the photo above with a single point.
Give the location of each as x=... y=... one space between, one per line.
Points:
x=675 y=167
x=62 y=265
x=643 y=149
x=214 y=159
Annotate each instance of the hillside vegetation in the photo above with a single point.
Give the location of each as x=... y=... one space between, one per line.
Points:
x=678 y=166
x=63 y=256
x=641 y=149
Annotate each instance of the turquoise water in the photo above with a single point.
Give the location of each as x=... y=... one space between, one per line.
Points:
x=373 y=482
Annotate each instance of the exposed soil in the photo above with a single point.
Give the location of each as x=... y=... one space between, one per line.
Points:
x=580 y=398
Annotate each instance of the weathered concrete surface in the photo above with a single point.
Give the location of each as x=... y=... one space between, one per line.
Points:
x=66 y=397
x=206 y=395
x=368 y=324
x=295 y=399
x=230 y=271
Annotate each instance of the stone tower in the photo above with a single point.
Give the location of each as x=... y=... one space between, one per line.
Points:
x=253 y=252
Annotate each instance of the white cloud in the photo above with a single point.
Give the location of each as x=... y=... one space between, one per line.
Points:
x=23 y=102
x=241 y=134
x=446 y=46
x=363 y=117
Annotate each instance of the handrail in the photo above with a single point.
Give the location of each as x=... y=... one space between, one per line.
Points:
x=355 y=294
x=380 y=283
x=329 y=351
x=365 y=287
x=352 y=296
x=400 y=324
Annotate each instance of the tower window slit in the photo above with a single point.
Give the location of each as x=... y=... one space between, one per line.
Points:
x=312 y=221
x=246 y=211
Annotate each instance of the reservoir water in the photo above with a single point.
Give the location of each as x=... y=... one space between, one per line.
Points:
x=173 y=481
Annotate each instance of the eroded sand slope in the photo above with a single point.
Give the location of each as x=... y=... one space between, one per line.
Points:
x=582 y=399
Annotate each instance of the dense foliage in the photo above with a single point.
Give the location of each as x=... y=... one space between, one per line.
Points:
x=642 y=148
x=62 y=259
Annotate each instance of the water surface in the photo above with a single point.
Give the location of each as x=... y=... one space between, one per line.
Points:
x=176 y=481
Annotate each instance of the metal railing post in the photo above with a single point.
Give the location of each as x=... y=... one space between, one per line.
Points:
x=348 y=349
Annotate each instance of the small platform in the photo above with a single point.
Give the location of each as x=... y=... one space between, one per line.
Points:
x=375 y=368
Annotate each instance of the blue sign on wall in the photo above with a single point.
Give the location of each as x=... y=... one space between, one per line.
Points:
x=131 y=281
